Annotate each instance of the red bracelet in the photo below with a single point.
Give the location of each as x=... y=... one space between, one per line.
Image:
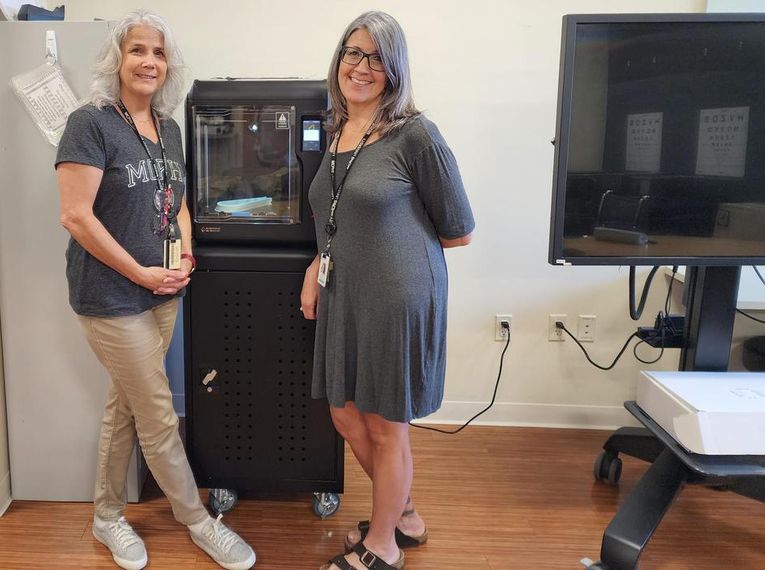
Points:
x=191 y=259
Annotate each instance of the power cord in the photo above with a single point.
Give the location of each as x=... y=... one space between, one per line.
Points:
x=757 y=271
x=506 y=329
x=561 y=326
x=668 y=300
x=662 y=320
x=637 y=312
x=655 y=360
x=748 y=316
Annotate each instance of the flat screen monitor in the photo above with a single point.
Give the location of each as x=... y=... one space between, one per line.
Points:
x=660 y=141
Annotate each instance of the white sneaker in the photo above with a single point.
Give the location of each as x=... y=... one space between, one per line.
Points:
x=223 y=545
x=128 y=550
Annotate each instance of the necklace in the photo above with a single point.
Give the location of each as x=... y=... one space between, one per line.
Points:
x=365 y=131
x=367 y=124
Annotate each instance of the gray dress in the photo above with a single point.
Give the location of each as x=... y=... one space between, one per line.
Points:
x=381 y=326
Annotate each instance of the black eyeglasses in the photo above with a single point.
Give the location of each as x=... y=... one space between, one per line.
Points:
x=353 y=56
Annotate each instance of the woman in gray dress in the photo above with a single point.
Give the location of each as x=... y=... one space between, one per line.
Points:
x=387 y=199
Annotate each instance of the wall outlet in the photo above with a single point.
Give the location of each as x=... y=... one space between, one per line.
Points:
x=554 y=334
x=499 y=332
x=585 y=330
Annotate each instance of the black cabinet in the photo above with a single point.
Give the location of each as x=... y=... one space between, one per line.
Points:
x=251 y=423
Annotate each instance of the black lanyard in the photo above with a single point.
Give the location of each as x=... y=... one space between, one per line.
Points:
x=163 y=185
x=331 y=226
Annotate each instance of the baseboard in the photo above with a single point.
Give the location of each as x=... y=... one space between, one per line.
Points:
x=5 y=493
x=533 y=415
x=511 y=414
x=179 y=404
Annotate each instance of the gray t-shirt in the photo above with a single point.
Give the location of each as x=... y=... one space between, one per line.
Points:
x=127 y=204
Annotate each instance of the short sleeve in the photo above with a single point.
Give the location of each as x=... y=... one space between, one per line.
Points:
x=439 y=185
x=82 y=141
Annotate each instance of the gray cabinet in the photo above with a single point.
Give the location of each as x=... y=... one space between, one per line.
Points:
x=55 y=387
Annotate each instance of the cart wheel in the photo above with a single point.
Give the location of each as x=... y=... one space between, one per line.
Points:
x=325 y=504
x=222 y=500
x=608 y=467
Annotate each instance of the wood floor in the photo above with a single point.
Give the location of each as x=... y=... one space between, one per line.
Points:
x=494 y=499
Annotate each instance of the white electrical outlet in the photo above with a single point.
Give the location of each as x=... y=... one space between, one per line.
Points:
x=554 y=334
x=585 y=330
x=499 y=332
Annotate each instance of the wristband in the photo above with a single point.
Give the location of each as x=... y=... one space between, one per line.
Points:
x=191 y=259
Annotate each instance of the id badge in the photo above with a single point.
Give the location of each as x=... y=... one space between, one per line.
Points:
x=172 y=254
x=325 y=266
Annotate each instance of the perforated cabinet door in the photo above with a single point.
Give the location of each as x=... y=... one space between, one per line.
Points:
x=253 y=424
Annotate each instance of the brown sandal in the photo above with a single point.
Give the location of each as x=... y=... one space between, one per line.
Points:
x=368 y=560
x=402 y=540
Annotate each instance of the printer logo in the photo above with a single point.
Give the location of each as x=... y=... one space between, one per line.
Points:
x=210 y=229
x=748 y=393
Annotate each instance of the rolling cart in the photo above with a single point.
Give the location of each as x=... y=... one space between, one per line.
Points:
x=672 y=467
x=710 y=300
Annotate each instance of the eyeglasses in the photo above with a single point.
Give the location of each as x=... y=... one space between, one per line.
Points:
x=353 y=56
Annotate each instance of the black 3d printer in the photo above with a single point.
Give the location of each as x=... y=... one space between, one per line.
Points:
x=253 y=148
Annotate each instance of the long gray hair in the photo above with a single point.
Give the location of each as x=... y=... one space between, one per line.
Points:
x=105 y=88
x=397 y=103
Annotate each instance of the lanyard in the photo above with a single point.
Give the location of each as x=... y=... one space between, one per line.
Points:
x=163 y=183
x=331 y=226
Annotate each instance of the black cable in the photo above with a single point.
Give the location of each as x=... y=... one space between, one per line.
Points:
x=757 y=271
x=748 y=316
x=560 y=325
x=493 y=397
x=636 y=312
x=655 y=360
x=668 y=300
x=662 y=324
x=661 y=352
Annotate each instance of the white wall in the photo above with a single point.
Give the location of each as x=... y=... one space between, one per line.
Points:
x=5 y=470
x=735 y=5
x=486 y=72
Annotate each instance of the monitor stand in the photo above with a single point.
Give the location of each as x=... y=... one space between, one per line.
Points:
x=710 y=300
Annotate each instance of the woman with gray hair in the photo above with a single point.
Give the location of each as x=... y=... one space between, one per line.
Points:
x=387 y=200
x=121 y=180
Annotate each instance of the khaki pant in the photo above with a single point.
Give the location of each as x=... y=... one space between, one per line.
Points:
x=132 y=349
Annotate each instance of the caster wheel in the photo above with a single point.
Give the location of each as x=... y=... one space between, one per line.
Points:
x=608 y=468
x=325 y=504
x=222 y=500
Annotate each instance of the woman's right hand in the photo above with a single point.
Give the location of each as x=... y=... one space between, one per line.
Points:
x=161 y=281
x=309 y=295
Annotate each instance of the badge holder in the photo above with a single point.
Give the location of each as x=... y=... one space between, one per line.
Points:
x=172 y=253
x=325 y=267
